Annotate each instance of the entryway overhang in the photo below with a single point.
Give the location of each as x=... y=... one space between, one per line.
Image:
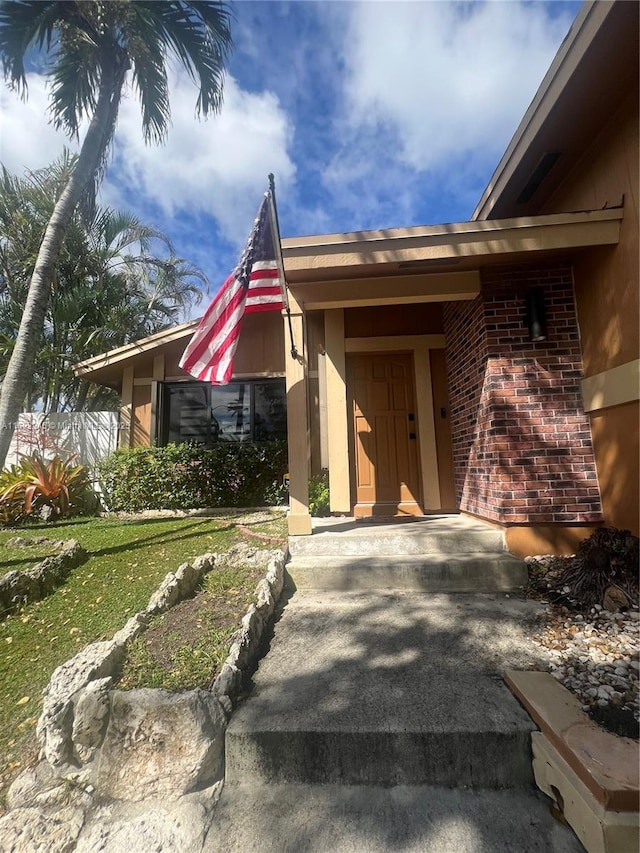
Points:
x=430 y=263
x=440 y=263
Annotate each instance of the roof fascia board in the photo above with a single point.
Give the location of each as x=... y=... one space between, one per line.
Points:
x=390 y=290
x=583 y=31
x=114 y=356
x=466 y=239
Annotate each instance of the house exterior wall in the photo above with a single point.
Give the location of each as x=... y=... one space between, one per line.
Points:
x=607 y=299
x=419 y=318
x=606 y=279
x=522 y=444
x=141 y=427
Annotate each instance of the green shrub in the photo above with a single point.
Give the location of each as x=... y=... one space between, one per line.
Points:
x=319 y=494
x=188 y=476
x=61 y=487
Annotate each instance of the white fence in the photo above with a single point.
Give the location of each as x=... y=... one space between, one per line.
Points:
x=88 y=436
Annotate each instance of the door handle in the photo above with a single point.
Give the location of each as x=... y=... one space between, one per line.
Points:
x=412 y=436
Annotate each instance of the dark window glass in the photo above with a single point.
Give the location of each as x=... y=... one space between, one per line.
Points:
x=187 y=414
x=231 y=412
x=270 y=410
x=241 y=411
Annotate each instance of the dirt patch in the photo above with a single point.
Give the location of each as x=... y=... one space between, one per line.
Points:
x=185 y=623
x=620 y=721
x=186 y=646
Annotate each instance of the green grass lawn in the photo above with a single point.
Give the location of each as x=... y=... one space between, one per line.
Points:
x=23 y=558
x=127 y=561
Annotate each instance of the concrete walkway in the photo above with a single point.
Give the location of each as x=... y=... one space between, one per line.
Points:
x=380 y=722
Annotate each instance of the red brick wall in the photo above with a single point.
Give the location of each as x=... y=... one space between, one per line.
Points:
x=522 y=443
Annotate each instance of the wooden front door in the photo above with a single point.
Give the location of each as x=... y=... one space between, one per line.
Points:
x=384 y=434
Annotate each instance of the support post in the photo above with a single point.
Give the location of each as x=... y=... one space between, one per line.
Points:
x=126 y=409
x=337 y=425
x=299 y=520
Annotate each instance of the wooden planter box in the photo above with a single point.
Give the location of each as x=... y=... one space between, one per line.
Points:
x=592 y=774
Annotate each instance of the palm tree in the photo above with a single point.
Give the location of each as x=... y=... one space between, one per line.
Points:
x=116 y=280
x=91 y=46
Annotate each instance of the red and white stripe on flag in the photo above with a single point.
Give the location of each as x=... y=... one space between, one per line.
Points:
x=265 y=288
x=255 y=285
x=209 y=354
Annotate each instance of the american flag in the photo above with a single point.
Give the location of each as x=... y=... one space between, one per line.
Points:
x=255 y=285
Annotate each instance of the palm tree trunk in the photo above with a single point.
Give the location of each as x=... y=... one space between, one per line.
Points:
x=20 y=367
x=82 y=395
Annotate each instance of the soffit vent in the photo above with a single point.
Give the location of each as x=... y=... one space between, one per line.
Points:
x=545 y=165
x=429 y=262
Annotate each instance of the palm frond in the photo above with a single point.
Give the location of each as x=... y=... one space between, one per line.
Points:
x=150 y=80
x=24 y=23
x=198 y=34
x=75 y=80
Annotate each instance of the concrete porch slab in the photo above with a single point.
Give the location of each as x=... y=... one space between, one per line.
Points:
x=406 y=527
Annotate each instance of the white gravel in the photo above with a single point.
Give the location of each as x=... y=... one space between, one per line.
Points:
x=595 y=654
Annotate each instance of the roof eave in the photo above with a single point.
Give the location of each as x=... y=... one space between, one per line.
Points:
x=143 y=345
x=478 y=239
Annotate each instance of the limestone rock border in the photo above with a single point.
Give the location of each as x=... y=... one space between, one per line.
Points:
x=18 y=588
x=97 y=738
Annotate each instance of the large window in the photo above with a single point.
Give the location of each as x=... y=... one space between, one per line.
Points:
x=206 y=414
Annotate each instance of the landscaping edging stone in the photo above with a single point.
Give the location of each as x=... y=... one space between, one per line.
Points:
x=114 y=748
x=18 y=588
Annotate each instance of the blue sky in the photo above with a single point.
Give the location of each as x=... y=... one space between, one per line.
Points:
x=374 y=114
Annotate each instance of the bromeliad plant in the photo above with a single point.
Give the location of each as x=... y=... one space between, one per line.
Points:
x=35 y=483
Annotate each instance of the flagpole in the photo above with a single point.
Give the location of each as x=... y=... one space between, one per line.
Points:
x=272 y=190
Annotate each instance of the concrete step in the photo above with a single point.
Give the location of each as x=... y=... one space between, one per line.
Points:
x=481 y=572
x=388 y=750
x=392 y=689
x=398 y=540
x=374 y=819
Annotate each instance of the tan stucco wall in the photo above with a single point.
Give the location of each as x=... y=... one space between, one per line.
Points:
x=416 y=319
x=529 y=540
x=615 y=441
x=608 y=306
x=545 y=539
x=606 y=279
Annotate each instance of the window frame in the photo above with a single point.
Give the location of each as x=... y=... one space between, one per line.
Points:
x=163 y=397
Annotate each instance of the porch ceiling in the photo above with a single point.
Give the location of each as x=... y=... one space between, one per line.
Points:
x=431 y=263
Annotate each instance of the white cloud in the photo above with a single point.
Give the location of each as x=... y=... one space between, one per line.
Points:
x=27 y=139
x=432 y=93
x=450 y=78
x=217 y=167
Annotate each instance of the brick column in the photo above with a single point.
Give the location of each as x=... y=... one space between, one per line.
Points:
x=521 y=439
